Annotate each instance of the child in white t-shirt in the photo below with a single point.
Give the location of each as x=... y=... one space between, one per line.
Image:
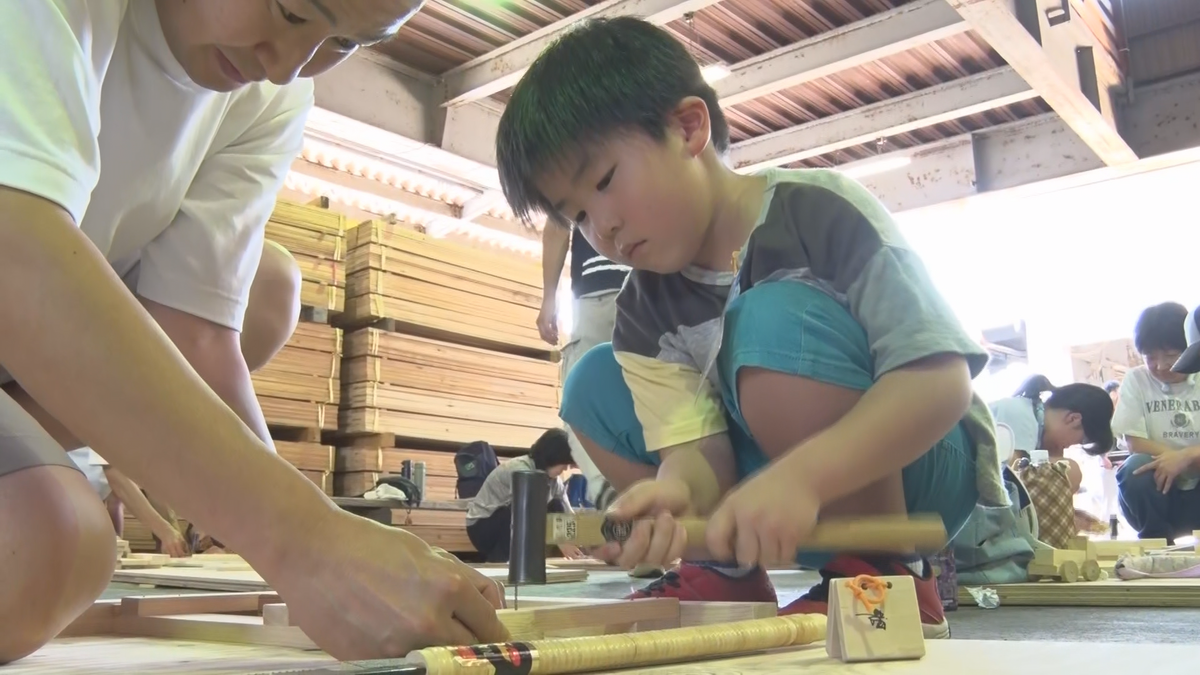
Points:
x=1158 y=416
x=142 y=145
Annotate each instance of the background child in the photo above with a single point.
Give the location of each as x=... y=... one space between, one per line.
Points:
x=1074 y=414
x=776 y=334
x=489 y=515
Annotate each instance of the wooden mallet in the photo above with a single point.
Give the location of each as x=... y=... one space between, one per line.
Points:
x=533 y=528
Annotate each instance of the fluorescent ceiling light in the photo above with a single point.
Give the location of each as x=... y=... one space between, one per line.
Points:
x=714 y=72
x=872 y=167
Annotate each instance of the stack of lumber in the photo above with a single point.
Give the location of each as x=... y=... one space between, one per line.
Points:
x=316 y=238
x=441 y=349
x=358 y=468
x=300 y=388
x=444 y=346
x=444 y=290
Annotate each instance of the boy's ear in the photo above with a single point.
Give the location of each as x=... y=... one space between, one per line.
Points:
x=692 y=120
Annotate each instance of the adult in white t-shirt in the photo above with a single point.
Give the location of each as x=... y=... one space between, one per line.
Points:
x=141 y=148
x=1158 y=417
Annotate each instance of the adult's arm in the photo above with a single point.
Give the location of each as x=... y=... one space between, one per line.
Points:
x=133 y=397
x=556 y=242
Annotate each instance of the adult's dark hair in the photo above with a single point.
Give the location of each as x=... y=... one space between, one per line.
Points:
x=1093 y=404
x=607 y=76
x=551 y=449
x=1160 y=328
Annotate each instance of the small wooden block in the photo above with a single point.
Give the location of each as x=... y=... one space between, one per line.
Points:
x=874 y=619
x=276 y=614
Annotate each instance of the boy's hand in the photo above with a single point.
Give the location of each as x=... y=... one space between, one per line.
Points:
x=764 y=520
x=362 y=591
x=659 y=541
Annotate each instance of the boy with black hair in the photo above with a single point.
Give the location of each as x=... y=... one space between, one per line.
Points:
x=489 y=515
x=1158 y=417
x=779 y=356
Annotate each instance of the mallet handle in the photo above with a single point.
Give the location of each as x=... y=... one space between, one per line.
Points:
x=884 y=534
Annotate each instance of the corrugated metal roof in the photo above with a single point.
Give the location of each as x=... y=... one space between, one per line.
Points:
x=447 y=33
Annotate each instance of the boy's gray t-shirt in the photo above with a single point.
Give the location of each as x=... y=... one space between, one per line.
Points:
x=497 y=489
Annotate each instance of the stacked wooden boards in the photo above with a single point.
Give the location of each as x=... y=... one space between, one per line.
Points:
x=445 y=345
x=316 y=238
x=441 y=349
x=299 y=390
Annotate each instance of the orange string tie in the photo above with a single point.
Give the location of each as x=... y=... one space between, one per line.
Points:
x=868 y=590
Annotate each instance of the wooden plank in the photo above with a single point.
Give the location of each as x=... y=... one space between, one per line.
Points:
x=308 y=388
x=372 y=369
x=249 y=581
x=424 y=285
x=307 y=456
x=1104 y=593
x=196 y=603
x=320 y=269
x=397 y=261
x=441 y=354
x=391 y=460
x=399 y=237
x=443 y=324
x=325 y=296
x=285 y=413
x=311 y=218
x=426 y=427
x=355 y=483
x=366 y=395
x=309 y=362
x=317 y=337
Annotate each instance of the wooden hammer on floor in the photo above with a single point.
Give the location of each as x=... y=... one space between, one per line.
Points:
x=533 y=529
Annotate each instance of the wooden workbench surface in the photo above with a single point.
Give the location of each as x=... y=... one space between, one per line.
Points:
x=105 y=656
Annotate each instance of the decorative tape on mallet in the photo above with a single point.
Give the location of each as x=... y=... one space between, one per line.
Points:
x=558 y=656
x=922 y=533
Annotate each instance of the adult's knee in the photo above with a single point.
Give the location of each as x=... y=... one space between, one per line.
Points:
x=1128 y=481
x=60 y=553
x=274 y=306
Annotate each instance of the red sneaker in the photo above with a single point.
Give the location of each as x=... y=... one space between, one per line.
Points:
x=697 y=582
x=816 y=600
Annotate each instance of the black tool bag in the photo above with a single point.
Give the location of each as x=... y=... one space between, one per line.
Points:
x=474 y=462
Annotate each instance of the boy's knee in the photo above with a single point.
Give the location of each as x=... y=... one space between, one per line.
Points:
x=63 y=552
x=591 y=380
x=274 y=306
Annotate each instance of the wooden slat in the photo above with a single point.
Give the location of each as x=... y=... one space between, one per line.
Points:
x=285 y=413
x=320 y=270
x=390 y=460
x=372 y=369
x=458 y=406
x=427 y=427
x=296 y=387
x=403 y=239
x=292 y=361
x=518 y=317
x=444 y=324
x=316 y=337
x=307 y=456
x=396 y=261
x=450 y=356
x=356 y=483
x=313 y=294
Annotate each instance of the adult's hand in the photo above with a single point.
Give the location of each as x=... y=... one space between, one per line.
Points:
x=547 y=321
x=361 y=590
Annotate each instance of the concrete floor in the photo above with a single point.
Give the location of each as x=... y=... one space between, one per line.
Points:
x=1061 y=624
